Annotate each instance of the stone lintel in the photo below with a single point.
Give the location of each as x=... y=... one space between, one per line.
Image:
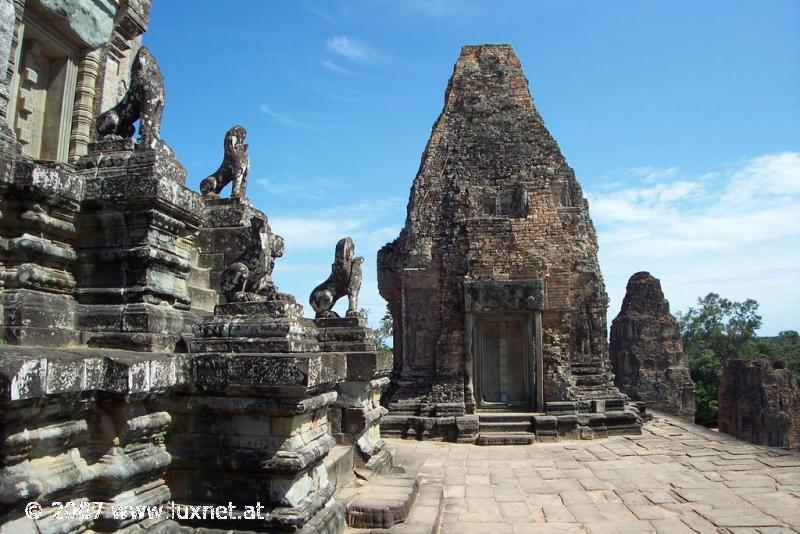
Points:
x=491 y=295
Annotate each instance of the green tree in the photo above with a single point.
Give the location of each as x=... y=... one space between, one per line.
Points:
x=715 y=331
x=384 y=331
x=785 y=346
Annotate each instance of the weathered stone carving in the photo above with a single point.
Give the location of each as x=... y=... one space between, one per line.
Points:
x=8 y=141
x=759 y=402
x=144 y=102
x=249 y=278
x=234 y=168
x=345 y=280
x=647 y=352
x=82 y=424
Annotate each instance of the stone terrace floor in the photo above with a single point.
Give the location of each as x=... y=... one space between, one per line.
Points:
x=676 y=477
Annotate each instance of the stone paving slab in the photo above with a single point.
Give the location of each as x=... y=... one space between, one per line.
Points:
x=676 y=477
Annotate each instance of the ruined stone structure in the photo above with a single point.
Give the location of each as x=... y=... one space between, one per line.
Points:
x=493 y=285
x=67 y=62
x=148 y=358
x=759 y=402
x=647 y=351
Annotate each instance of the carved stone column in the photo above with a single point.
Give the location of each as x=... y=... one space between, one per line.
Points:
x=355 y=416
x=83 y=113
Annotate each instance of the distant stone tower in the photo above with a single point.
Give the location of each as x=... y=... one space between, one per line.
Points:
x=647 y=351
x=493 y=285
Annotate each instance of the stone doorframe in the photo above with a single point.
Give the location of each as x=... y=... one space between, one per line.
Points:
x=506 y=297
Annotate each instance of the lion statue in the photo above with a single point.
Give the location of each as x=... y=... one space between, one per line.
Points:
x=234 y=168
x=249 y=278
x=345 y=280
x=143 y=101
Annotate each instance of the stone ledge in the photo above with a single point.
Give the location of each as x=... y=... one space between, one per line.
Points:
x=58 y=184
x=34 y=372
x=251 y=405
x=368 y=365
x=257 y=461
x=278 y=374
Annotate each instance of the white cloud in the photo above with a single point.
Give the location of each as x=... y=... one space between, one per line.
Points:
x=321 y=13
x=310 y=243
x=349 y=48
x=733 y=231
x=766 y=177
x=285 y=119
x=363 y=221
x=653 y=174
x=331 y=66
x=290 y=187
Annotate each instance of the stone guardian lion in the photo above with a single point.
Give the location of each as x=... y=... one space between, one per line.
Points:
x=345 y=280
x=144 y=101
x=234 y=168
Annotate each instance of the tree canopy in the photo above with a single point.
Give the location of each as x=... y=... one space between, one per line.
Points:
x=717 y=330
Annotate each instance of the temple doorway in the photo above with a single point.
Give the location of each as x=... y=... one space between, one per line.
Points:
x=504 y=365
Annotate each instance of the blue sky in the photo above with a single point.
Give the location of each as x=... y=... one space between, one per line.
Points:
x=681 y=120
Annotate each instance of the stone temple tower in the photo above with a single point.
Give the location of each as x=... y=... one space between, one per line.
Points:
x=493 y=285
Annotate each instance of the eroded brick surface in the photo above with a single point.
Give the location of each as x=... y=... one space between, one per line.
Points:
x=647 y=351
x=759 y=401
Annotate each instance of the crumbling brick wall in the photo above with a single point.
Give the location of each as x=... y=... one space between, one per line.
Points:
x=759 y=402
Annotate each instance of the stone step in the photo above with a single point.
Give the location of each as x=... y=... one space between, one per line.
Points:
x=386 y=501
x=505 y=417
x=504 y=438
x=203 y=299
x=198 y=277
x=425 y=516
x=580 y=370
x=510 y=427
x=339 y=463
x=590 y=380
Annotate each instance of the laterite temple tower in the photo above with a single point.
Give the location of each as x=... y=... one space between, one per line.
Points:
x=494 y=286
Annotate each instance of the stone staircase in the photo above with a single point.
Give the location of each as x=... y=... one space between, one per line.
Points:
x=592 y=380
x=203 y=297
x=505 y=428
